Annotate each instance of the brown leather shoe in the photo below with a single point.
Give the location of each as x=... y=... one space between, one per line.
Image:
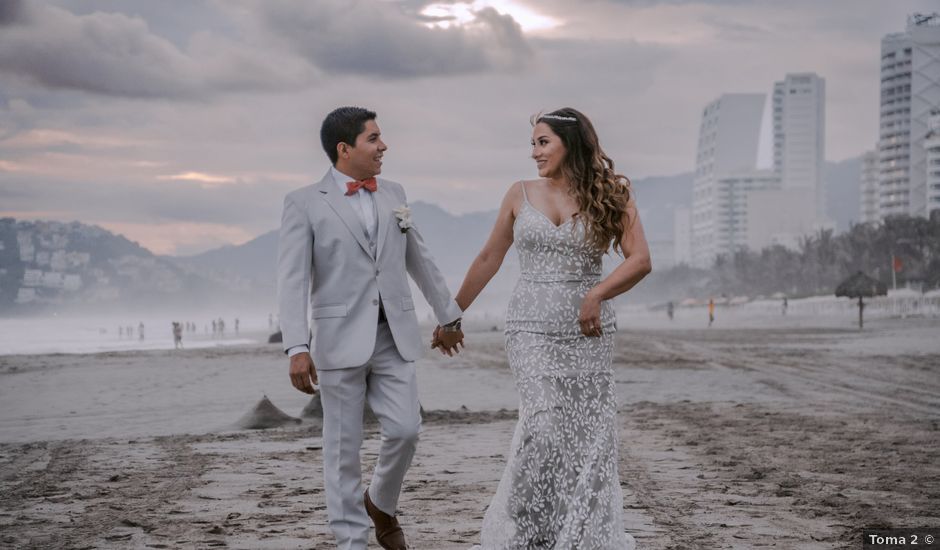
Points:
x=387 y=530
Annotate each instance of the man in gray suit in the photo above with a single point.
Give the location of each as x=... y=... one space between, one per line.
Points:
x=346 y=248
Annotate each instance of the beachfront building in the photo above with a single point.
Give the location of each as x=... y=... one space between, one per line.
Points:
x=32 y=277
x=25 y=295
x=746 y=212
x=51 y=272
x=728 y=139
x=868 y=187
x=72 y=282
x=24 y=240
x=799 y=114
x=910 y=90
x=932 y=161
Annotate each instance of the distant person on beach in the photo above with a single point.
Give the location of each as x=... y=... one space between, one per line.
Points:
x=711 y=311
x=670 y=310
x=560 y=488
x=120 y=333
x=346 y=248
x=177 y=335
x=140 y=330
x=236 y=326
x=784 y=307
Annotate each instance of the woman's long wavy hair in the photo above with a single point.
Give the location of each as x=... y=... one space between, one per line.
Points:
x=602 y=193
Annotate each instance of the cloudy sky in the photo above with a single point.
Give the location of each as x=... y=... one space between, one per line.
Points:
x=182 y=123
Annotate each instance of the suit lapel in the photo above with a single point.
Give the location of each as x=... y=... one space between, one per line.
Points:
x=340 y=205
x=382 y=198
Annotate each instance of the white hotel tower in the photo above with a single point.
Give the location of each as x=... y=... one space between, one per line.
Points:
x=799 y=114
x=727 y=145
x=932 y=147
x=868 y=187
x=735 y=205
x=910 y=90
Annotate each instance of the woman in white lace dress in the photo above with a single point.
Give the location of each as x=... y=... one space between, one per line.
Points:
x=560 y=489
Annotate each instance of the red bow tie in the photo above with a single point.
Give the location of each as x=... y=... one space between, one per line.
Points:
x=352 y=187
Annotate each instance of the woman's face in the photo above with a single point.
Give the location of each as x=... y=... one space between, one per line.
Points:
x=547 y=150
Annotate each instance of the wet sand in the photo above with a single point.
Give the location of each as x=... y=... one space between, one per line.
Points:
x=772 y=437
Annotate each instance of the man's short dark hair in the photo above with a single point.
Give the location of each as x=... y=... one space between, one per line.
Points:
x=342 y=126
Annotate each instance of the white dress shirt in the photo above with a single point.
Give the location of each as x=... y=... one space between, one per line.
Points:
x=361 y=202
x=363 y=205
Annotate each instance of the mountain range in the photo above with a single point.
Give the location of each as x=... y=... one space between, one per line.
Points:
x=455 y=239
x=119 y=271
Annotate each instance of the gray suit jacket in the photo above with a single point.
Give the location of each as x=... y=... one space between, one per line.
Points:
x=325 y=261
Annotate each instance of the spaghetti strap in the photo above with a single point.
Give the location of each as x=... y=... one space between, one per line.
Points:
x=524 y=195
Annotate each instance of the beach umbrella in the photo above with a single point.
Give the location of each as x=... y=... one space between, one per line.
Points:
x=861 y=286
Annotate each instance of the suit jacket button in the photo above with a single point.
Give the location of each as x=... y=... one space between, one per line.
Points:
x=376 y=272
x=375 y=302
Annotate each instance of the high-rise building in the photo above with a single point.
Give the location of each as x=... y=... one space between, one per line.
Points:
x=932 y=161
x=735 y=205
x=868 y=187
x=799 y=116
x=910 y=90
x=736 y=220
x=894 y=134
x=728 y=141
x=778 y=216
x=925 y=98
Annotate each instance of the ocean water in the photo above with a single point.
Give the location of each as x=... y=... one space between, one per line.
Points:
x=76 y=334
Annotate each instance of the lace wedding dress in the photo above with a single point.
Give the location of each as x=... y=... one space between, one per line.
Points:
x=560 y=489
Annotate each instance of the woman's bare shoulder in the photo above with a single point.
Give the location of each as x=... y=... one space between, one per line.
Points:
x=514 y=196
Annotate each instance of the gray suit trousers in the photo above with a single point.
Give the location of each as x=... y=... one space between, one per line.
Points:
x=388 y=383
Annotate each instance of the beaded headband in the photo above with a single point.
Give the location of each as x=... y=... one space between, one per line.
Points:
x=559 y=117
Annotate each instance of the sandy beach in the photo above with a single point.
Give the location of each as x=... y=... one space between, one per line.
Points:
x=783 y=434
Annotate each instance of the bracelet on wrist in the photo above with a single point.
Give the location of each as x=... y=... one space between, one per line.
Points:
x=452 y=327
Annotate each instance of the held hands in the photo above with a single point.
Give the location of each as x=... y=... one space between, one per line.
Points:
x=590 y=316
x=447 y=342
x=303 y=374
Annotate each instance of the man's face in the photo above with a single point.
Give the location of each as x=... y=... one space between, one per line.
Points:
x=365 y=159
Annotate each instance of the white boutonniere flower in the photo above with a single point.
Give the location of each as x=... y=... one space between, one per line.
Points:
x=403 y=213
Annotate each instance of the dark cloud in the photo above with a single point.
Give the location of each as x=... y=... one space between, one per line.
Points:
x=647 y=3
x=280 y=45
x=116 y=55
x=381 y=39
x=175 y=21
x=104 y=53
x=12 y=11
